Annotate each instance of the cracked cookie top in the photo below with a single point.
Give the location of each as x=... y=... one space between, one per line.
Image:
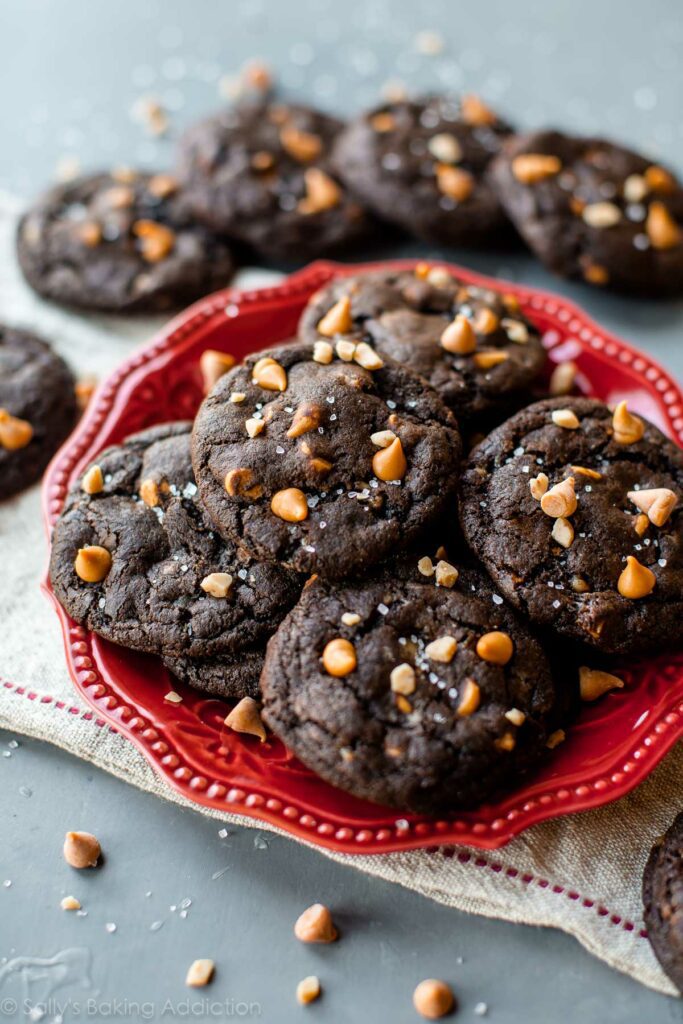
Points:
x=403 y=690
x=575 y=510
x=121 y=242
x=136 y=559
x=323 y=458
x=470 y=343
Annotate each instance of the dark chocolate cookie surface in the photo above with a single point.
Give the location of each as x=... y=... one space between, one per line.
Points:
x=120 y=242
x=428 y=698
x=421 y=164
x=663 y=901
x=260 y=172
x=308 y=458
x=594 y=210
x=37 y=407
x=159 y=578
x=576 y=513
x=471 y=344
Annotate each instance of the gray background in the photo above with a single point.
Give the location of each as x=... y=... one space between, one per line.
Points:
x=71 y=74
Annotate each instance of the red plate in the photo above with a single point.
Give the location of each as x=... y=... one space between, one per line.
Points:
x=613 y=746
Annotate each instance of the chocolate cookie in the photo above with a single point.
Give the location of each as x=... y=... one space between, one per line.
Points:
x=425 y=697
x=594 y=210
x=135 y=559
x=121 y=242
x=471 y=344
x=37 y=408
x=663 y=901
x=260 y=172
x=421 y=164
x=576 y=513
x=325 y=464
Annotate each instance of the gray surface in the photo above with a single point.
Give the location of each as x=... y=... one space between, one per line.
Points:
x=71 y=71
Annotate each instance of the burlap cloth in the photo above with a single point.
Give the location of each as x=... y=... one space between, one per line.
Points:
x=581 y=874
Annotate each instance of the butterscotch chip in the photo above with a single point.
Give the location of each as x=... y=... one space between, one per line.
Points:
x=238 y=481
x=200 y=973
x=601 y=215
x=149 y=492
x=425 y=566
x=339 y=657
x=592 y=474
x=92 y=481
x=217 y=584
x=322 y=192
x=383 y=438
x=92 y=563
x=303 y=146
x=366 y=357
x=162 y=185
x=262 y=161
x=390 y=463
x=474 y=111
x=290 y=505
x=538 y=486
x=562 y=378
x=402 y=679
x=350 y=618
x=172 y=697
x=496 y=647
x=505 y=742
x=323 y=352
x=315 y=925
x=593 y=683
x=454 y=182
x=530 y=168
x=515 y=716
x=446 y=575
x=269 y=374
x=470 y=699
x=555 y=738
x=156 y=240
x=560 y=500
x=383 y=122
x=627 y=427
x=307 y=417
x=81 y=849
x=90 y=233
x=308 y=990
x=641 y=524
x=596 y=274
x=254 y=426
x=70 y=903
x=563 y=532
x=442 y=649
x=15 y=433
x=346 y=350
x=485 y=321
x=657 y=502
x=84 y=391
x=445 y=148
x=245 y=717
x=212 y=365
x=636 y=580
x=661 y=228
x=487 y=360
x=459 y=336
x=565 y=418
x=433 y=999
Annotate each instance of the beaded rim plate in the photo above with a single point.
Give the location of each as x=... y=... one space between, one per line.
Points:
x=614 y=743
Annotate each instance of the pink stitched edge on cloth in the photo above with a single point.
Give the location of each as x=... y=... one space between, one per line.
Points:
x=445 y=851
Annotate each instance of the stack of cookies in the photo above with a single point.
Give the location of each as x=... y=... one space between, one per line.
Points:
x=274 y=181
x=318 y=548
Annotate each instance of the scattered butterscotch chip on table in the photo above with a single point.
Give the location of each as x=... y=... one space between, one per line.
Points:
x=81 y=849
x=315 y=925
x=433 y=999
x=200 y=973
